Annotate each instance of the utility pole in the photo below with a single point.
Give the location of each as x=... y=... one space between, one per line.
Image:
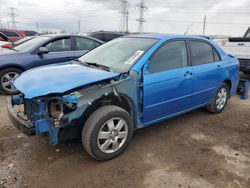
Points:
x=13 y=17
x=204 y=25
x=124 y=15
x=37 y=27
x=79 y=26
x=142 y=8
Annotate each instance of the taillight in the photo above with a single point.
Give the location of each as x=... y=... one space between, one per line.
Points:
x=7 y=45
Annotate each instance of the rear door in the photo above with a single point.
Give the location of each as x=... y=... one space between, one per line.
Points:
x=83 y=45
x=60 y=50
x=207 y=71
x=167 y=87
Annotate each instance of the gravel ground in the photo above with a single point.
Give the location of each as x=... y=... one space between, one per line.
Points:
x=197 y=149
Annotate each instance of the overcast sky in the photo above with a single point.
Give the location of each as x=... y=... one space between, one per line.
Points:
x=229 y=17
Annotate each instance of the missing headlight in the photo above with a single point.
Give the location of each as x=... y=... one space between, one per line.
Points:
x=56 y=109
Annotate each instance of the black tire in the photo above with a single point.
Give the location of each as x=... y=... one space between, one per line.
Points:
x=212 y=108
x=4 y=72
x=95 y=123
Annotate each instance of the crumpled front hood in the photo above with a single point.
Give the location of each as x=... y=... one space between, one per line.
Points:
x=58 y=78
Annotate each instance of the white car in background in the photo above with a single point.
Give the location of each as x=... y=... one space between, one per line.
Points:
x=239 y=47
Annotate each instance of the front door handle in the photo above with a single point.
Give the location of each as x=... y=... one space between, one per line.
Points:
x=188 y=74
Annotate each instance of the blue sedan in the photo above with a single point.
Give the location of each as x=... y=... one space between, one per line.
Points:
x=42 y=50
x=125 y=84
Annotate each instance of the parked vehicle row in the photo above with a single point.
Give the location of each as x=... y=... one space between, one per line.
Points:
x=126 y=84
x=39 y=51
x=14 y=35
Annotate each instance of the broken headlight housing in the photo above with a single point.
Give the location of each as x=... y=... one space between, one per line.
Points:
x=58 y=107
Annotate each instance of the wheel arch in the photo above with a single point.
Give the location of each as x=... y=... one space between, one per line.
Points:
x=13 y=66
x=120 y=100
x=229 y=84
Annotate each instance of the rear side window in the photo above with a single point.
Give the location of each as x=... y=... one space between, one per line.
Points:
x=30 y=33
x=85 y=44
x=201 y=53
x=216 y=56
x=172 y=55
x=10 y=34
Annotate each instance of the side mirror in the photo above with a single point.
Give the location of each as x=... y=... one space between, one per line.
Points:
x=43 y=50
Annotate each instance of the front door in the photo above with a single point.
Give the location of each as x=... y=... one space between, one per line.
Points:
x=168 y=85
x=60 y=50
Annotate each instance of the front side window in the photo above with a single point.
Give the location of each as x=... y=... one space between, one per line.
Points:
x=171 y=56
x=119 y=54
x=59 y=45
x=201 y=53
x=85 y=44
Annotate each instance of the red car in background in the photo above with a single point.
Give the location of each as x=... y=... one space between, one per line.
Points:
x=14 y=35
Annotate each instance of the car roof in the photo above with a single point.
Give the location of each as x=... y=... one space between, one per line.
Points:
x=167 y=36
x=54 y=36
x=107 y=32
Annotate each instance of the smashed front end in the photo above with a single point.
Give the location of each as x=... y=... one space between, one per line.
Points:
x=43 y=115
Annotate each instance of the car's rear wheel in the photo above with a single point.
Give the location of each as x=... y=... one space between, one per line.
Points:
x=219 y=100
x=107 y=132
x=7 y=76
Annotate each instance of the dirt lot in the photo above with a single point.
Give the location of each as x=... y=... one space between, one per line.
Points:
x=194 y=150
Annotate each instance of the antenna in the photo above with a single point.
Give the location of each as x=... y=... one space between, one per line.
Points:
x=204 y=25
x=142 y=8
x=124 y=15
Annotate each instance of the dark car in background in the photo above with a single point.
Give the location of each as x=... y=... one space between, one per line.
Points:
x=106 y=36
x=39 y=51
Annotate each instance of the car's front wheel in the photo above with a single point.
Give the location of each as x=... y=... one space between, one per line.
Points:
x=7 y=76
x=107 y=132
x=219 y=101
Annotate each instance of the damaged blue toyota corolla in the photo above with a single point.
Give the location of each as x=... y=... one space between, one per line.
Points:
x=126 y=84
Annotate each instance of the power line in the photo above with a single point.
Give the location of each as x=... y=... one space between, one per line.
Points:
x=142 y=8
x=124 y=15
x=13 y=17
x=79 y=26
x=37 y=27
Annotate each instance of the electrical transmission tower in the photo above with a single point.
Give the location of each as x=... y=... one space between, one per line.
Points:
x=13 y=17
x=124 y=15
x=142 y=8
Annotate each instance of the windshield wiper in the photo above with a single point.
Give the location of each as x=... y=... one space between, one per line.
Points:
x=94 y=64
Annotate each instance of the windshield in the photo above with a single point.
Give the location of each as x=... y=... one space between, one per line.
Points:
x=30 y=44
x=119 y=54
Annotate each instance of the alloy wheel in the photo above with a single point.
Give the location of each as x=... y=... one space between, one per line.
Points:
x=112 y=135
